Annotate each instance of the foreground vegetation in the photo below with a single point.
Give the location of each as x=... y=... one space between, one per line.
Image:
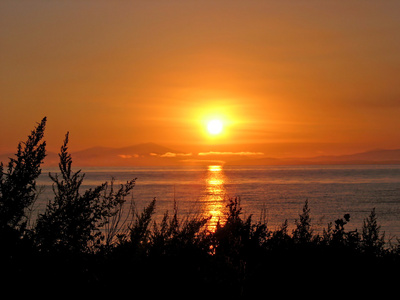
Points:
x=92 y=240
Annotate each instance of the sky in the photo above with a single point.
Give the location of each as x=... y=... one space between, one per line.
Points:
x=286 y=78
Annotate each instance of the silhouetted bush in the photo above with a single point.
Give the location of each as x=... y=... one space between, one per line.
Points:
x=372 y=242
x=72 y=222
x=303 y=232
x=87 y=240
x=18 y=183
x=18 y=192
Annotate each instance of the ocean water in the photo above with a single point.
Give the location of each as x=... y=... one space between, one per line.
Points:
x=278 y=191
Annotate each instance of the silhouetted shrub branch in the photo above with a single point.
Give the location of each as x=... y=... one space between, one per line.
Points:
x=72 y=222
x=372 y=242
x=18 y=182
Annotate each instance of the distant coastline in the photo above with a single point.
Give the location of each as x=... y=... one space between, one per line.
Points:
x=151 y=154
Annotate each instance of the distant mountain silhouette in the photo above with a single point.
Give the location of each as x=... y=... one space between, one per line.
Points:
x=51 y=158
x=379 y=155
x=141 y=154
x=370 y=157
x=151 y=154
x=145 y=148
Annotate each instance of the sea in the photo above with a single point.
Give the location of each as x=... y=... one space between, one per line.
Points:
x=271 y=194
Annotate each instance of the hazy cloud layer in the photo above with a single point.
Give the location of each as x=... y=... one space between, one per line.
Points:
x=126 y=156
x=243 y=153
x=171 y=154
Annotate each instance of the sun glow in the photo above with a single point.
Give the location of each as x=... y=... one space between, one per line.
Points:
x=216 y=120
x=215 y=127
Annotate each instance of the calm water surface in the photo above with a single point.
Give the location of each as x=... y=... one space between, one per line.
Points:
x=280 y=191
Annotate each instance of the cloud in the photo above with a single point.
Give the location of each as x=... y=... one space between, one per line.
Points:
x=165 y=155
x=171 y=154
x=203 y=161
x=243 y=153
x=125 y=156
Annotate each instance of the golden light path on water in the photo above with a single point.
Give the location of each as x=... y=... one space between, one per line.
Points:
x=214 y=203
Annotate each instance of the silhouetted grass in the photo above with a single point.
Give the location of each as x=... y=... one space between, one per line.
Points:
x=85 y=240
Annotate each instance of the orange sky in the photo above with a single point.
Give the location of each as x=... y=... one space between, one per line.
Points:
x=289 y=78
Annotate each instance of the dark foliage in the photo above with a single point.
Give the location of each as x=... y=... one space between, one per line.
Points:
x=86 y=241
x=18 y=192
x=72 y=222
x=18 y=182
x=303 y=231
x=372 y=242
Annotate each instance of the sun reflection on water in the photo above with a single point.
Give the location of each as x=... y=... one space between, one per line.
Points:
x=214 y=201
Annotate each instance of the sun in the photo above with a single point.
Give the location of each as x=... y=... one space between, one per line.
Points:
x=215 y=127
